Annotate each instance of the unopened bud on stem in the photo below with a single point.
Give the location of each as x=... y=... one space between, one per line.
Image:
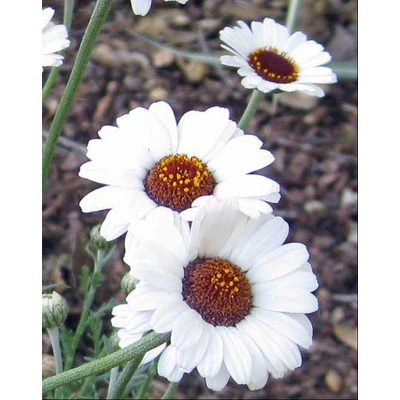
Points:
x=54 y=310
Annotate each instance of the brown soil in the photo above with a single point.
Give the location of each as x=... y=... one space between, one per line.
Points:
x=314 y=142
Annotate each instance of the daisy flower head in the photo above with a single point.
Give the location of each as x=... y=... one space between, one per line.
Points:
x=269 y=58
x=54 y=38
x=149 y=160
x=142 y=7
x=233 y=296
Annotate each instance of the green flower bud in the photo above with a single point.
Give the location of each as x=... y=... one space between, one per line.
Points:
x=128 y=283
x=98 y=240
x=54 y=310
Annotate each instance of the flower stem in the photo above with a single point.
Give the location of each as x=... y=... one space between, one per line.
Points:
x=292 y=13
x=102 y=258
x=68 y=9
x=124 y=378
x=142 y=393
x=97 y=19
x=113 y=380
x=54 y=334
x=97 y=367
x=171 y=390
x=251 y=109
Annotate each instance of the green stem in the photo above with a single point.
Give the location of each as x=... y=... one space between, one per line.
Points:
x=171 y=390
x=97 y=20
x=54 y=334
x=100 y=262
x=113 y=380
x=292 y=13
x=124 y=378
x=252 y=106
x=68 y=9
x=142 y=393
x=97 y=367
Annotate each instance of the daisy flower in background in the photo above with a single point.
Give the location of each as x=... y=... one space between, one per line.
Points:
x=54 y=38
x=142 y=7
x=149 y=160
x=269 y=58
x=233 y=296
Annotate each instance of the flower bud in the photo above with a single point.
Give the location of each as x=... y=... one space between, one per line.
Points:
x=128 y=283
x=54 y=310
x=98 y=240
x=48 y=365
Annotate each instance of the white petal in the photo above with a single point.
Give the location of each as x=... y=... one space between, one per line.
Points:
x=245 y=149
x=159 y=255
x=165 y=115
x=213 y=226
x=120 y=150
x=187 y=329
x=189 y=358
x=246 y=186
x=268 y=347
x=233 y=61
x=293 y=302
x=141 y=7
x=138 y=322
x=154 y=135
x=212 y=360
x=289 y=352
x=106 y=197
x=166 y=314
x=254 y=207
x=286 y=325
x=295 y=40
x=47 y=15
x=203 y=134
x=147 y=298
x=305 y=51
x=258 y=242
x=120 y=216
x=115 y=224
x=154 y=273
x=152 y=354
x=218 y=381
x=110 y=175
x=236 y=355
x=301 y=279
x=121 y=310
x=278 y=262
x=259 y=370
x=161 y=225
x=190 y=213
x=167 y=361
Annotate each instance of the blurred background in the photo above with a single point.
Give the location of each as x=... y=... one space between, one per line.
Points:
x=314 y=142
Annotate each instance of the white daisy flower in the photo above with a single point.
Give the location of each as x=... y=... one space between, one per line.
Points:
x=269 y=58
x=142 y=7
x=149 y=161
x=54 y=38
x=230 y=292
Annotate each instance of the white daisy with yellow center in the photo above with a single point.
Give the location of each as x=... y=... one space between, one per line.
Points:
x=233 y=296
x=269 y=58
x=54 y=39
x=150 y=161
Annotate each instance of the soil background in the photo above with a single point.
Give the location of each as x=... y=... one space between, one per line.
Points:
x=314 y=142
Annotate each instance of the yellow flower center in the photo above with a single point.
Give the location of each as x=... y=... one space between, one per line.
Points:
x=274 y=66
x=177 y=180
x=218 y=290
